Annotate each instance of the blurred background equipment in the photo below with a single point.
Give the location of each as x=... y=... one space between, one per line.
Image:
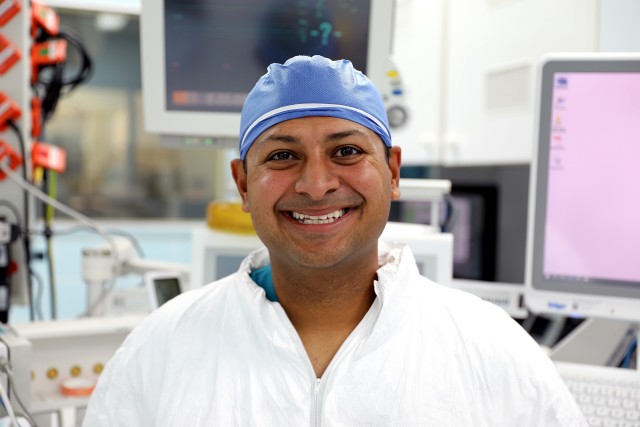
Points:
x=35 y=75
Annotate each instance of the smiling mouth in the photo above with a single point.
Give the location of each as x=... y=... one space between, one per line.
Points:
x=319 y=219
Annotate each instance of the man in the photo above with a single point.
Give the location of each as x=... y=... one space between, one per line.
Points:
x=327 y=326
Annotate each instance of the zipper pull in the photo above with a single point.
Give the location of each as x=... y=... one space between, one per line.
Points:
x=316 y=389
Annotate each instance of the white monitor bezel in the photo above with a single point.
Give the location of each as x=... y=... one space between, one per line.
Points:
x=159 y=120
x=597 y=301
x=150 y=279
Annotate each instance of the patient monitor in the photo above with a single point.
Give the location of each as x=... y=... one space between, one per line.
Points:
x=201 y=58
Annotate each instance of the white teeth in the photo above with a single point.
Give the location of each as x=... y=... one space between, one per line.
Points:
x=321 y=219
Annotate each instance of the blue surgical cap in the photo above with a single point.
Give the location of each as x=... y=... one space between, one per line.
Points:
x=311 y=86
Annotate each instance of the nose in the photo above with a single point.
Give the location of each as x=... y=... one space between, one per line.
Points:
x=317 y=179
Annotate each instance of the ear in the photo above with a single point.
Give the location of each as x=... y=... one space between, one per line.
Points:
x=395 y=158
x=240 y=178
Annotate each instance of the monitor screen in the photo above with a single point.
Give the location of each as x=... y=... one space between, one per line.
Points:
x=201 y=58
x=584 y=241
x=261 y=33
x=474 y=228
x=161 y=287
x=166 y=288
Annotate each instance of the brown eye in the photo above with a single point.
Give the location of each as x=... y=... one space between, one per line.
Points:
x=347 y=151
x=281 y=155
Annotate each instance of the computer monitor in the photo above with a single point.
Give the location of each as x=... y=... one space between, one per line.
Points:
x=583 y=254
x=201 y=58
x=473 y=225
x=474 y=228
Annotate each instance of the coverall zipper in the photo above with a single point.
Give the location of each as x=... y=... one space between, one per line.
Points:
x=316 y=396
x=319 y=383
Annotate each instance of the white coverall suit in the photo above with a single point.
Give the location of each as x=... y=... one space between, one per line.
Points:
x=424 y=355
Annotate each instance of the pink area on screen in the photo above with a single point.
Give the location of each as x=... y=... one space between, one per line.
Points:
x=593 y=205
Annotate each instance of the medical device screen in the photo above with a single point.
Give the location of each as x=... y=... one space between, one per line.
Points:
x=215 y=50
x=592 y=209
x=166 y=288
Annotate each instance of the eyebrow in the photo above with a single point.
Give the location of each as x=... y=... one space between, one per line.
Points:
x=279 y=138
x=331 y=137
x=344 y=134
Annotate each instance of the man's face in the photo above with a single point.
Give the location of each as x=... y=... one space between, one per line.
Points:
x=319 y=190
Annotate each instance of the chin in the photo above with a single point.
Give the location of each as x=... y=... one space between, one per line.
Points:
x=333 y=258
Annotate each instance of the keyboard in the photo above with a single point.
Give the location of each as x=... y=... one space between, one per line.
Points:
x=608 y=397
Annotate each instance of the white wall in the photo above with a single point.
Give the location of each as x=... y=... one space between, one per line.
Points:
x=619 y=27
x=470 y=73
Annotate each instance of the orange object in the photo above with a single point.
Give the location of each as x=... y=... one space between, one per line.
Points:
x=49 y=157
x=9 y=110
x=77 y=387
x=15 y=160
x=8 y=9
x=44 y=17
x=13 y=268
x=229 y=217
x=49 y=52
x=9 y=54
x=36 y=117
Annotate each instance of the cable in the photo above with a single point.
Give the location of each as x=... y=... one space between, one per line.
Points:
x=23 y=408
x=49 y=91
x=8 y=407
x=65 y=209
x=59 y=206
x=112 y=231
x=52 y=280
x=449 y=215
x=37 y=303
x=7 y=204
x=79 y=217
x=86 y=68
x=57 y=85
x=25 y=236
x=23 y=153
x=48 y=219
x=108 y=287
x=5 y=366
x=627 y=357
x=131 y=238
x=16 y=214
